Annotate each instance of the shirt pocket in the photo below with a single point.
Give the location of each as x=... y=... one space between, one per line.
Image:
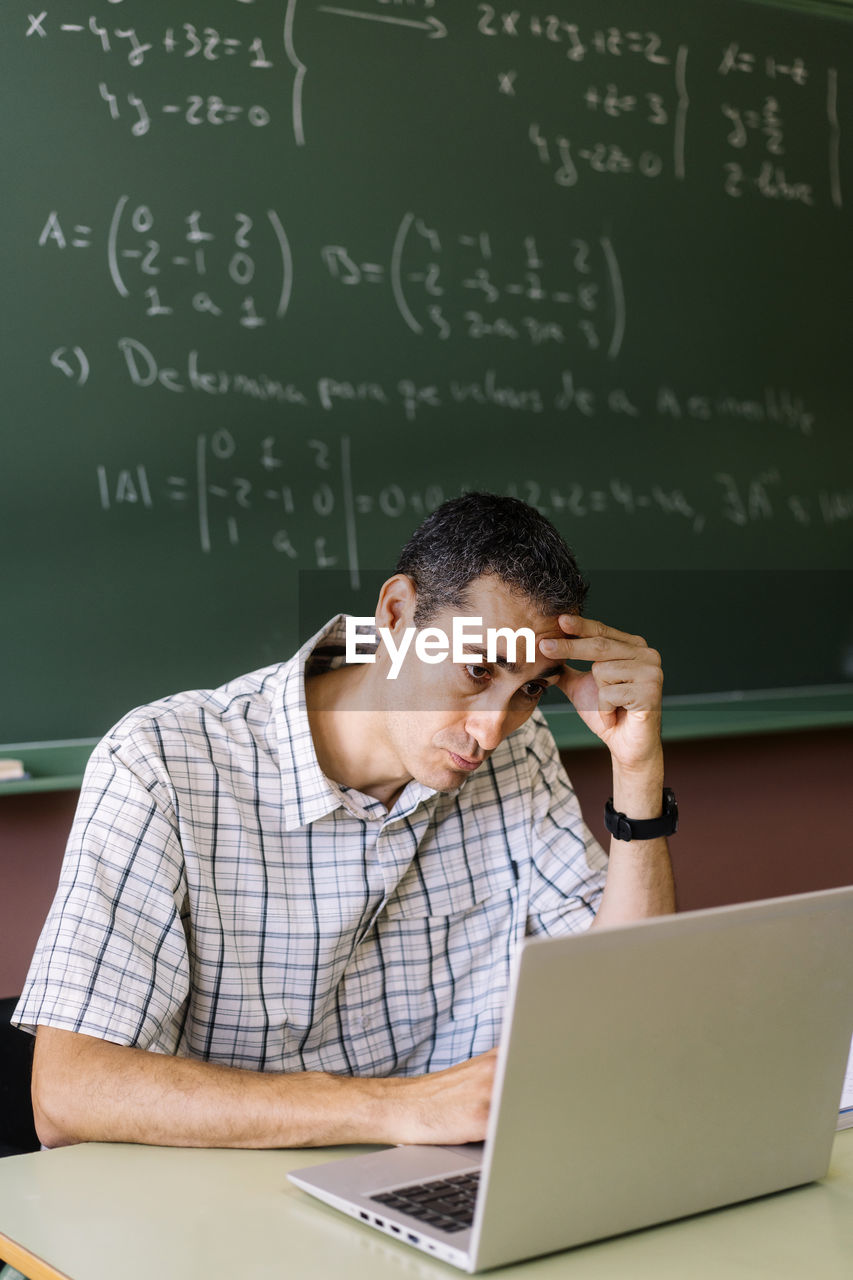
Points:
x=447 y=941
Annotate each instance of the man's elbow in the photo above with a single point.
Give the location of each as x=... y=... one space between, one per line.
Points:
x=49 y=1133
x=55 y=1085
x=49 y=1117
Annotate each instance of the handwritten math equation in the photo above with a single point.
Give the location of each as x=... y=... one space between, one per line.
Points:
x=209 y=269
x=628 y=94
x=441 y=282
x=641 y=80
x=186 y=44
x=184 y=41
x=450 y=283
x=302 y=502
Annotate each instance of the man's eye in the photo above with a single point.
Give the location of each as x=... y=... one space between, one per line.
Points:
x=533 y=689
x=475 y=672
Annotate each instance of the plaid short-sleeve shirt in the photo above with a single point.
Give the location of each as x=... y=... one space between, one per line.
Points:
x=221 y=898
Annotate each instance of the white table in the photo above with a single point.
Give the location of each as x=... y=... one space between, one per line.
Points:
x=119 y=1212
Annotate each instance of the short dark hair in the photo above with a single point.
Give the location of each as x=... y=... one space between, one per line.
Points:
x=485 y=533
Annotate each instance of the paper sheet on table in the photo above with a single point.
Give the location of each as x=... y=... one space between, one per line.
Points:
x=845 y=1117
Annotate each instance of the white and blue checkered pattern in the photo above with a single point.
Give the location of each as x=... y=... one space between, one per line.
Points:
x=222 y=899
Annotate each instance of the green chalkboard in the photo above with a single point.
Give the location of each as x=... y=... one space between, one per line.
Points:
x=280 y=277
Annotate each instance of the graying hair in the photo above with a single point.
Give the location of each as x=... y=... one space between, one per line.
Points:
x=485 y=533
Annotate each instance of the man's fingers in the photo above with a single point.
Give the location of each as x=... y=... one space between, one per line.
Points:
x=596 y=649
x=600 y=649
x=587 y=640
x=582 y=628
x=453 y=1104
x=633 y=697
x=647 y=674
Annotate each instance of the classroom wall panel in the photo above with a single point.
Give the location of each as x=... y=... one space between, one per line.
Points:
x=761 y=816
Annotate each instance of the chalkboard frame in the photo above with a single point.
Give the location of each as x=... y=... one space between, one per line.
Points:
x=701 y=715
x=59 y=766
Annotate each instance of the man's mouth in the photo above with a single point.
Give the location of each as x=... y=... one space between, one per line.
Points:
x=461 y=762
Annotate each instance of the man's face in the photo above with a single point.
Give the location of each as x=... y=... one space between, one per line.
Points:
x=442 y=721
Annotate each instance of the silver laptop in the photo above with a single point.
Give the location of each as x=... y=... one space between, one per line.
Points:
x=645 y=1073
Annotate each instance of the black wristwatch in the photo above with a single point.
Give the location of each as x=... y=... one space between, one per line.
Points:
x=643 y=828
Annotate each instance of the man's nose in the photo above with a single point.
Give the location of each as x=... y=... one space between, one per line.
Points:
x=488 y=726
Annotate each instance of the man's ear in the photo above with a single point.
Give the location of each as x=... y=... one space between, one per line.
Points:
x=395 y=607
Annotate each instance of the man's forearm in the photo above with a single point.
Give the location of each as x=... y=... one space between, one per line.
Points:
x=639 y=877
x=90 y=1090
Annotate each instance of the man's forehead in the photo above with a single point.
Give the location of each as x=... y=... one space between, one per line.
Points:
x=500 y=620
x=517 y=668
x=500 y=608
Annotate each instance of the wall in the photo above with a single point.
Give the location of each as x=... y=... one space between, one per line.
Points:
x=761 y=816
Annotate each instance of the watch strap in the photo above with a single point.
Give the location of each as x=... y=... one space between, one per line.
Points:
x=624 y=828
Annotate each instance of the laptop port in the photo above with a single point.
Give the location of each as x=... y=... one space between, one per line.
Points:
x=394 y=1227
x=412 y=1239
x=364 y=1217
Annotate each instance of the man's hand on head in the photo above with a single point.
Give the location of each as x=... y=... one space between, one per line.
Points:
x=619 y=698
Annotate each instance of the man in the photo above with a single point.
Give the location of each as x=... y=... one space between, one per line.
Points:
x=289 y=906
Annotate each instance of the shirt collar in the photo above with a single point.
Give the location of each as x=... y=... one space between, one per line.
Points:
x=307 y=794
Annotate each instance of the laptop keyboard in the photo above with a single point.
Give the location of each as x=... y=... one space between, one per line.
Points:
x=446 y=1203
